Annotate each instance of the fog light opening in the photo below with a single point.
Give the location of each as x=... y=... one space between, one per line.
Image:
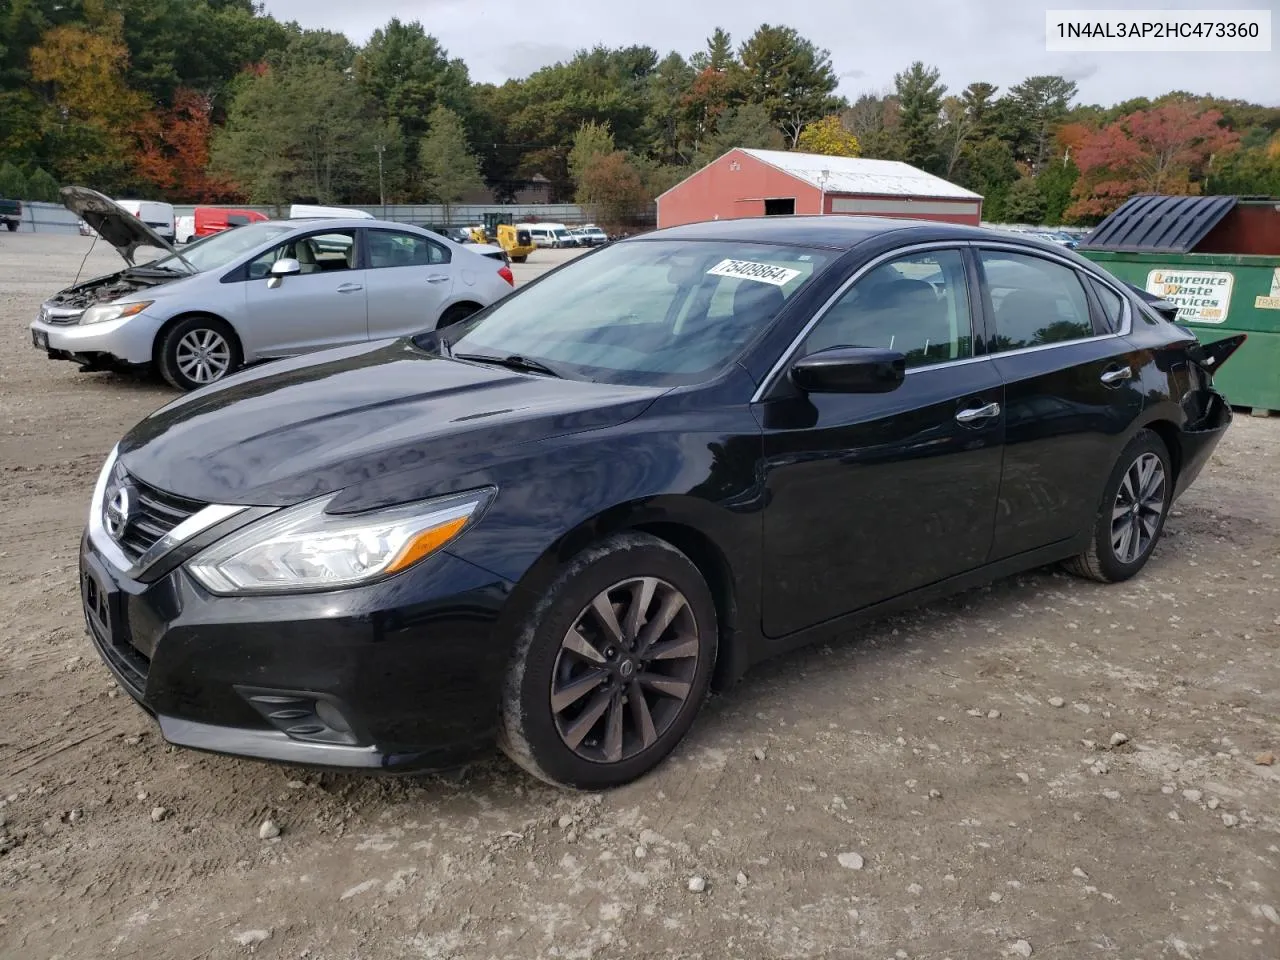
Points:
x=331 y=717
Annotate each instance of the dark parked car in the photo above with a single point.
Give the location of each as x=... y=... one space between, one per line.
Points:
x=559 y=523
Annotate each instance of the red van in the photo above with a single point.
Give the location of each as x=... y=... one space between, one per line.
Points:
x=210 y=220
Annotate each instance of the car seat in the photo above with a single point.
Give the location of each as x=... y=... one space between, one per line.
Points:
x=306 y=256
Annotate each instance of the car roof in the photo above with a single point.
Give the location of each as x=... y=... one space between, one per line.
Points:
x=841 y=232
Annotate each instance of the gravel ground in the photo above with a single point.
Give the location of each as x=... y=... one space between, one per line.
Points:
x=1044 y=767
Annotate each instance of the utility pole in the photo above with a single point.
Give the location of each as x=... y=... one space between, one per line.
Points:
x=382 y=195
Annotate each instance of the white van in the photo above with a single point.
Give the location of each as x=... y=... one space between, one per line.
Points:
x=553 y=235
x=306 y=211
x=156 y=215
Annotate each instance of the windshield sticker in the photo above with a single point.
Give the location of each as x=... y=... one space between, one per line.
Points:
x=750 y=270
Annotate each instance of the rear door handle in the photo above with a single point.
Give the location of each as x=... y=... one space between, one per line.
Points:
x=974 y=414
x=1118 y=375
x=437 y=278
x=350 y=288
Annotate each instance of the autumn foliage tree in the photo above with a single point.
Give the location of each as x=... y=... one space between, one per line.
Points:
x=612 y=188
x=173 y=152
x=1161 y=151
x=829 y=138
x=91 y=113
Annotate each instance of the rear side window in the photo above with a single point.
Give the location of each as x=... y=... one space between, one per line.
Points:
x=1037 y=302
x=1112 y=305
x=389 y=248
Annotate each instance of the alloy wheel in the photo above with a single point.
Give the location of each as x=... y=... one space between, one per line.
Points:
x=203 y=355
x=624 y=670
x=1136 y=513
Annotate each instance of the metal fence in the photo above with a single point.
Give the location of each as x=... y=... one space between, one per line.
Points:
x=47 y=218
x=55 y=218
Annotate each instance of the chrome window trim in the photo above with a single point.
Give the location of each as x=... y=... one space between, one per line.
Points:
x=195 y=524
x=977 y=246
x=1126 y=322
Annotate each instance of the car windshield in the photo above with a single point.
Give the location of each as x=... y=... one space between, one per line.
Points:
x=649 y=312
x=219 y=249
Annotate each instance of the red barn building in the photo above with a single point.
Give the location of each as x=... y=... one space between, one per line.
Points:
x=762 y=183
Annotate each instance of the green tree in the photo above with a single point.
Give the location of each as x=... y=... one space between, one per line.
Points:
x=41 y=186
x=668 y=85
x=749 y=125
x=1056 y=180
x=920 y=96
x=450 y=170
x=592 y=140
x=13 y=185
x=720 y=50
x=987 y=167
x=978 y=99
x=790 y=77
x=304 y=130
x=1039 y=105
x=1025 y=203
x=407 y=74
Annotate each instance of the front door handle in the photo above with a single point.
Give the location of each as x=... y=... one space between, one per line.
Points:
x=350 y=288
x=1116 y=375
x=974 y=414
x=437 y=278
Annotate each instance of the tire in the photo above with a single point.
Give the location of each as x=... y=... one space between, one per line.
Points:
x=520 y=259
x=549 y=661
x=456 y=314
x=12 y=225
x=1111 y=557
x=184 y=339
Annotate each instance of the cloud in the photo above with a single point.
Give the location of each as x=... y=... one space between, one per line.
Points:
x=999 y=41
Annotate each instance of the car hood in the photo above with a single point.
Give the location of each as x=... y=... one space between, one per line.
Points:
x=113 y=223
x=301 y=428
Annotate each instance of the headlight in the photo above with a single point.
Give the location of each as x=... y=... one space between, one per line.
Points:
x=304 y=548
x=113 y=311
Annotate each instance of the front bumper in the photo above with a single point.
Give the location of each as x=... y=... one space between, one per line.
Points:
x=129 y=340
x=401 y=675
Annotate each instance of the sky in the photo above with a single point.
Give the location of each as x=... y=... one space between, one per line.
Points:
x=999 y=41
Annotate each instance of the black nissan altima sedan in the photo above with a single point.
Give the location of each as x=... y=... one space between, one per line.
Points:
x=560 y=523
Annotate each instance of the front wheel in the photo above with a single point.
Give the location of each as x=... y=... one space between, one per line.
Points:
x=1131 y=517
x=612 y=667
x=12 y=225
x=197 y=352
x=520 y=259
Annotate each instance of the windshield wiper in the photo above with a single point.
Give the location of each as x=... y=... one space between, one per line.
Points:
x=511 y=362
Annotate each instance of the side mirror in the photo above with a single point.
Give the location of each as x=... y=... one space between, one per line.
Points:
x=284 y=267
x=850 y=370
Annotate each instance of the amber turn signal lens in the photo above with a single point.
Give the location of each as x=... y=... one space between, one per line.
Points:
x=425 y=543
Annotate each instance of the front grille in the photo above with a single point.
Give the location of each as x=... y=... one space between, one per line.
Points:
x=60 y=315
x=153 y=514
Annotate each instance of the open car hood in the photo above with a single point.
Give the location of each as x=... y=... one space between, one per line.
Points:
x=114 y=223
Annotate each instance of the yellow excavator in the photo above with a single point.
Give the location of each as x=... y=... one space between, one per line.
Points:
x=499 y=229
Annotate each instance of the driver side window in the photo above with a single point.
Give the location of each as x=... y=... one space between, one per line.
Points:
x=316 y=253
x=917 y=305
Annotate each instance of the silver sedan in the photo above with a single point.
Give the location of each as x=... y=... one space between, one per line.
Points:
x=257 y=292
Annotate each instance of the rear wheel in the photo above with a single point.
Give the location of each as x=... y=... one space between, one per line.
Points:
x=520 y=259
x=456 y=314
x=1131 y=517
x=612 y=667
x=12 y=225
x=198 y=351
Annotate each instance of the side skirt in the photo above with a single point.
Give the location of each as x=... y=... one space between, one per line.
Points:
x=766 y=648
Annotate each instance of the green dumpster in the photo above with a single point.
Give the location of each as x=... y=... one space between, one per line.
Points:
x=1218 y=259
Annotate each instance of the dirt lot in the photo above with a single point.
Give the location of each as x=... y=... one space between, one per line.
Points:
x=942 y=787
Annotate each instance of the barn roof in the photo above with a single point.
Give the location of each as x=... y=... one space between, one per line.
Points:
x=861 y=176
